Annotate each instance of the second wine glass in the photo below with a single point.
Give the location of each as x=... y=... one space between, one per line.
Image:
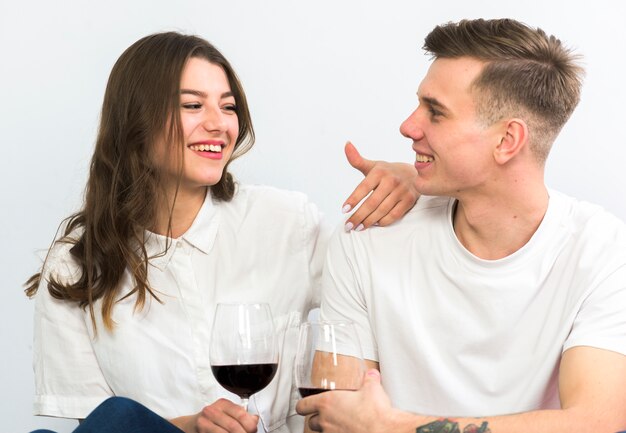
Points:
x=328 y=358
x=243 y=351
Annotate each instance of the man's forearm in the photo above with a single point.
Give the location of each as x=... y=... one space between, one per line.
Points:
x=447 y=425
x=553 y=421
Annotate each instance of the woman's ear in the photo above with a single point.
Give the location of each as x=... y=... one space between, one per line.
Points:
x=513 y=140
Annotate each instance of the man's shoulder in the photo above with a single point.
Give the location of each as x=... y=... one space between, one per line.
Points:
x=431 y=202
x=581 y=215
x=427 y=210
x=593 y=230
x=424 y=220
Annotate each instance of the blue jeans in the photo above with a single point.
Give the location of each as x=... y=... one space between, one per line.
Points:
x=122 y=415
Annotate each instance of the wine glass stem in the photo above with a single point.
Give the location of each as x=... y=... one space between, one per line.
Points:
x=244 y=403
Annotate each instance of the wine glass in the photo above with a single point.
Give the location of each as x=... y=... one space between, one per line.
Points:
x=328 y=358
x=243 y=352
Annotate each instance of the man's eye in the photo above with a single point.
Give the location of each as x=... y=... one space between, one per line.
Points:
x=433 y=112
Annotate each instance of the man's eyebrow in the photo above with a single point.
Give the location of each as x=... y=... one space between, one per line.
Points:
x=433 y=102
x=202 y=94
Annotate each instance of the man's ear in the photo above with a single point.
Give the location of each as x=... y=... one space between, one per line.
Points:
x=513 y=140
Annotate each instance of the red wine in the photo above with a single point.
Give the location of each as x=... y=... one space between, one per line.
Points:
x=244 y=379
x=306 y=392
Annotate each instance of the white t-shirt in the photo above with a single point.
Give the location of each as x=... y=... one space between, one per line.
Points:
x=456 y=335
x=263 y=246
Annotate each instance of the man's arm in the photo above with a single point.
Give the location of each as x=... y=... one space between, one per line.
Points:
x=592 y=390
x=322 y=369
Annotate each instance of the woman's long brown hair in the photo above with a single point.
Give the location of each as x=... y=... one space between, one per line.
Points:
x=122 y=193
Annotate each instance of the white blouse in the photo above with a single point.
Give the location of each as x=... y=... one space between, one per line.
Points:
x=265 y=245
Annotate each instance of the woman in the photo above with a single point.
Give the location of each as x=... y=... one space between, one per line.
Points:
x=125 y=297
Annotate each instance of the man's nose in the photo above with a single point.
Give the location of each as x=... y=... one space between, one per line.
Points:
x=411 y=127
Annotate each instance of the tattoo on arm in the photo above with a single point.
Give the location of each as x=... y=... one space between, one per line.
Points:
x=449 y=426
x=439 y=426
x=473 y=428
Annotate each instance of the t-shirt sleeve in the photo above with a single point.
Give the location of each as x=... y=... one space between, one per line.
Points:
x=601 y=320
x=315 y=240
x=343 y=290
x=317 y=236
x=68 y=379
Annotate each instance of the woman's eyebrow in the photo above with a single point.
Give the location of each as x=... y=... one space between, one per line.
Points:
x=193 y=92
x=201 y=94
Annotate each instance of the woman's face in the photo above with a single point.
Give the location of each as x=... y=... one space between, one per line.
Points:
x=210 y=128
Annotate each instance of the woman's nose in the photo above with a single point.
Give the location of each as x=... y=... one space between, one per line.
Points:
x=214 y=120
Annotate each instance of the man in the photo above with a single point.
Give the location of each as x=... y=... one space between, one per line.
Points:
x=496 y=304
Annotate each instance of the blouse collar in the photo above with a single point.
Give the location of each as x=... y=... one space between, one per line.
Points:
x=201 y=235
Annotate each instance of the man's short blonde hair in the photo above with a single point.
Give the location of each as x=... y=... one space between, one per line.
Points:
x=528 y=74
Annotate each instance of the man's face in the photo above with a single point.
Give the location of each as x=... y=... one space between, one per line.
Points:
x=454 y=151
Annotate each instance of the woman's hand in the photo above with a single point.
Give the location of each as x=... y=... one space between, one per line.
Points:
x=392 y=187
x=220 y=417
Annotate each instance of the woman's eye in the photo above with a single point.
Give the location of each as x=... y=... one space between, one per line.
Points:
x=230 y=107
x=192 y=105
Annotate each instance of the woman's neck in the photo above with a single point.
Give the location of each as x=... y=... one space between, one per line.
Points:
x=182 y=209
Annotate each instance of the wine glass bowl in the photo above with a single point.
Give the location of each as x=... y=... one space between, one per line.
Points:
x=243 y=351
x=328 y=358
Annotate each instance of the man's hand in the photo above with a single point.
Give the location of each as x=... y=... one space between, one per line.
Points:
x=392 y=187
x=591 y=383
x=366 y=410
x=219 y=417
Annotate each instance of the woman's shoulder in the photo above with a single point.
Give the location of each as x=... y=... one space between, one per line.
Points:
x=269 y=206
x=254 y=191
x=59 y=262
x=271 y=199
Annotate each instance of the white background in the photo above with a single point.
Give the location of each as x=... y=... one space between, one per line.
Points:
x=316 y=74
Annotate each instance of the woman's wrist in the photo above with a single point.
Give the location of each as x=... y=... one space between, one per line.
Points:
x=185 y=423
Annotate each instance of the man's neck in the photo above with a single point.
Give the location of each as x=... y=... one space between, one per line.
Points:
x=494 y=228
